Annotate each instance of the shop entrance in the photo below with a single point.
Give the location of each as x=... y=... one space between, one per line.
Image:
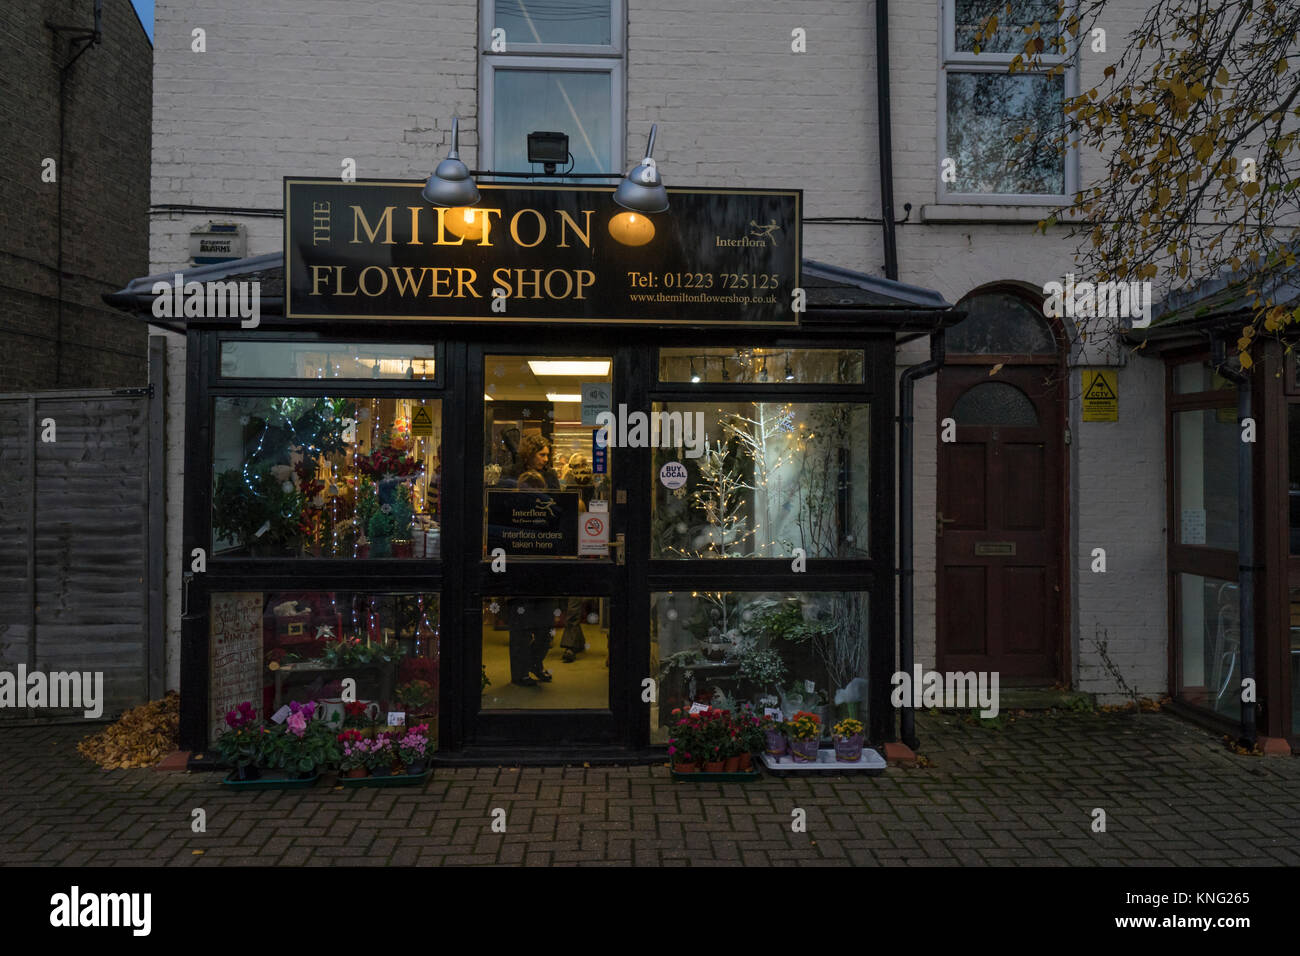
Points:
x=545 y=579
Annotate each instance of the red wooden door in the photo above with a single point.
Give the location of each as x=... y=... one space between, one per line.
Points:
x=1000 y=524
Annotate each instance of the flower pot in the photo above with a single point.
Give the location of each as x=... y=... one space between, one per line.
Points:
x=417 y=768
x=357 y=772
x=247 y=773
x=732 y=764
x=715 y=766
x=686 y=767
x=744 y=763
x=848 y=749
x=401 y=548
x=804 y=751
x=776 y=743
x=363 y=550
x=385 y=771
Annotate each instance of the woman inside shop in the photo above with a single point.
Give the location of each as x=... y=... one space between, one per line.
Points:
x=535 y=455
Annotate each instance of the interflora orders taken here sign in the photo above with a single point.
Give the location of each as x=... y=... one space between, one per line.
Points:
x=1100 y=395
x=377 y=250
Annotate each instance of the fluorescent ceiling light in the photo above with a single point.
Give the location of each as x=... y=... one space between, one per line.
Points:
x=596 y=368
x=561 y=397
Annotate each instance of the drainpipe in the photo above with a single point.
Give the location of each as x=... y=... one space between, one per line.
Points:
x=1245 y=533
x=884 y=138
x=906 y=386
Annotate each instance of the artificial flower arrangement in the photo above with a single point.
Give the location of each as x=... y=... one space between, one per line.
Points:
x=352 y=650
x=387 y=462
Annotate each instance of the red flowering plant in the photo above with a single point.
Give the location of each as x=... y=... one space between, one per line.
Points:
x=353 y=754
x=240 y=745
x=685 y=746
x=354 y=714
x=387 y=462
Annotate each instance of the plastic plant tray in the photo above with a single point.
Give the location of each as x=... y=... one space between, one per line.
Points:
x=392 y=780
x=736 y=776
x=272 y=783
x=870 y=763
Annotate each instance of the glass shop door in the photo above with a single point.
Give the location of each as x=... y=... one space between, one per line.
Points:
x=546 y=582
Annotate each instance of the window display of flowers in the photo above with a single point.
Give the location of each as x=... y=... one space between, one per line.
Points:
x=804 y=732
x=413 y=749
x=848 y=735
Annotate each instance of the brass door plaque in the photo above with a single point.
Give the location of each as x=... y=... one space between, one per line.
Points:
x=994 y=548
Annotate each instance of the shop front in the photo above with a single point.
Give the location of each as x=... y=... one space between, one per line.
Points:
x=535 y=485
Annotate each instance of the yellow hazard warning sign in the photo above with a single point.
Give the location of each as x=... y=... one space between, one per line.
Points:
x=421 y=423
x=1100 y=395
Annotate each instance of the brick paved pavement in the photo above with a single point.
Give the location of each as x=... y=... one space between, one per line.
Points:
x=1019 y=795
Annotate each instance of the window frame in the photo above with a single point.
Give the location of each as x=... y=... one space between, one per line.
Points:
x=558 y=57
x=952 y=60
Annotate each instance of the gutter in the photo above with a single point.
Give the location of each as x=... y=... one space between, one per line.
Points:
x=906 y=583
x=1245 y=534
x=885 y=139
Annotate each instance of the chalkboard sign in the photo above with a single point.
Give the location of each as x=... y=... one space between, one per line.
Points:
x=236 y=649
x=533 y=522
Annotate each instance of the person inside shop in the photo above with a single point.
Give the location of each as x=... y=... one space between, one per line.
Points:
x=577 y=477
x=532 y=622
x=535 y=455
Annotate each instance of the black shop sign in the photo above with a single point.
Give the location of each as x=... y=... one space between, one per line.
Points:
x=541 y=523
x=377 y=250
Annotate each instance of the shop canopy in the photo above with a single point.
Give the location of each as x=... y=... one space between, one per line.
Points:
x=836 y=298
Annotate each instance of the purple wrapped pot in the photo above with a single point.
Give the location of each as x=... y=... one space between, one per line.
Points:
x=804 y=751
x=848 y=749
x=775 y=744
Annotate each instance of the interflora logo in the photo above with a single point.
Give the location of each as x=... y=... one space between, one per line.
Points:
x=760 y=234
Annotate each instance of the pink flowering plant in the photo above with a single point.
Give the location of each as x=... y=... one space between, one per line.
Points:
x=301 y=744
x=379 y=752
x=413 y=747
x=355 y=747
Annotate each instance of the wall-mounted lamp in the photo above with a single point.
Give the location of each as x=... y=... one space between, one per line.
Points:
x=451 y=184
x=641 y=192
x=695 y=376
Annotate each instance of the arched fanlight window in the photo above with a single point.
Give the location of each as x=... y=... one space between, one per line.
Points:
x=1000 y=323
x=994 y=403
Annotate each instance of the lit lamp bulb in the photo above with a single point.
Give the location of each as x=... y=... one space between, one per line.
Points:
x=631 y=228
x=464 y=221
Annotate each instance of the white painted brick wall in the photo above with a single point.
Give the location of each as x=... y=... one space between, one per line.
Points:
x=294 y=89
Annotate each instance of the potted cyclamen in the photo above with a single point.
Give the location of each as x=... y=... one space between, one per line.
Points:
x=717 y=737
x=355 y=747
x=380 y=756
x=240 y=746
x=683 y=745
x=804 y=732
x=848 y=734
x=413 y=749
x=308 y=745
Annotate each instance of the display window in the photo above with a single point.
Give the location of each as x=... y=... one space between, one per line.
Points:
x=764 y=366
x=792 y=651
x=762 y=479
x=312 y=476
x=365 y=657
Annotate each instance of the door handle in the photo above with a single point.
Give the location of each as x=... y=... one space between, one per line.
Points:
x=940 y=521
x=618 y=544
